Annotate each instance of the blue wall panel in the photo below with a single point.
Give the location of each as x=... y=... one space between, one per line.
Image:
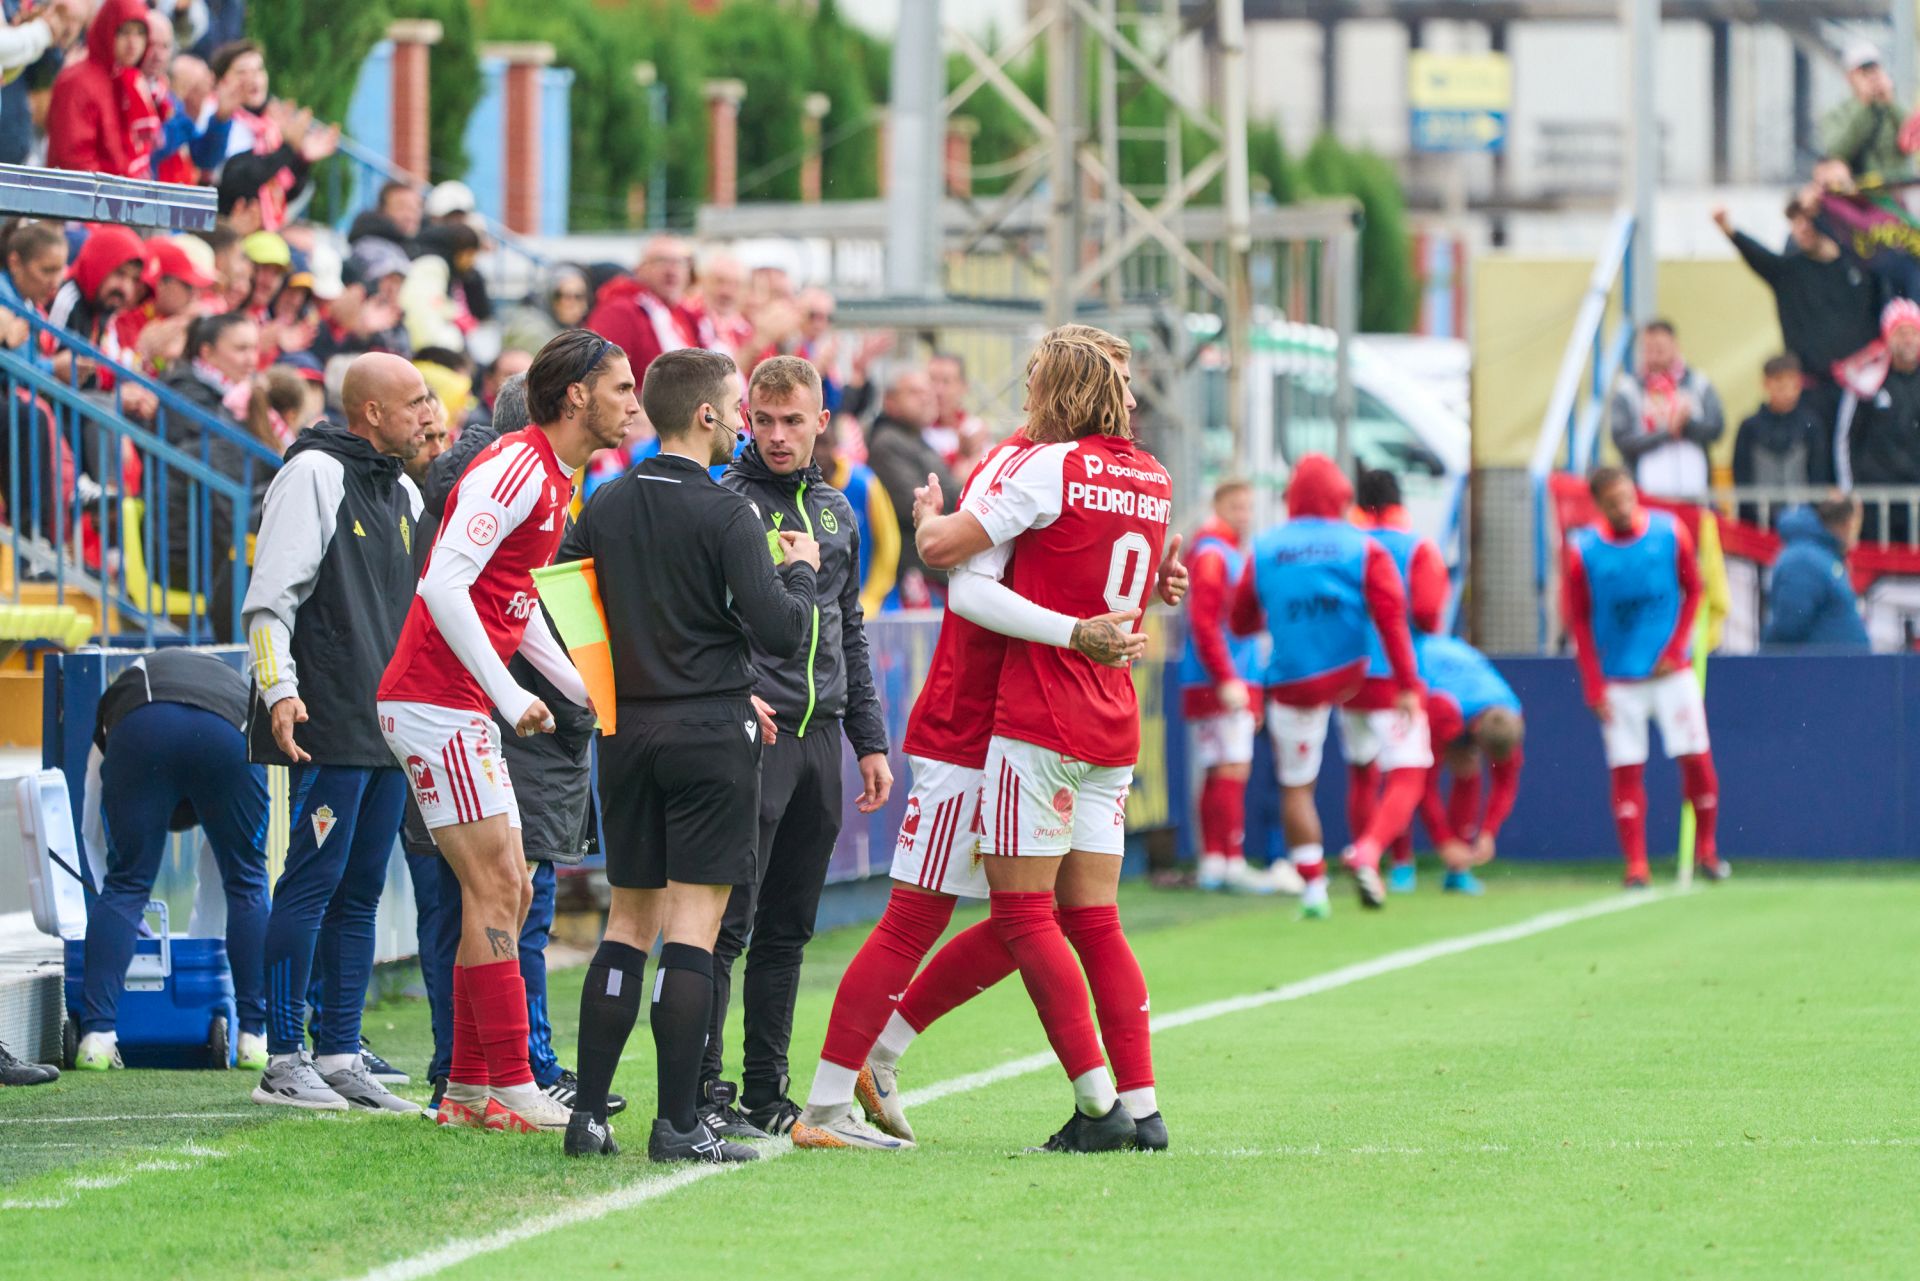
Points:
x=556 y=148
x=486 y=140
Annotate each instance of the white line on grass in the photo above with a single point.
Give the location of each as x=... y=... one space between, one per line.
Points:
x=144 y=1116
x=648 y=1189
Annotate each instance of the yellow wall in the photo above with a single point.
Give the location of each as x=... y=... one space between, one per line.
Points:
x=1523 y=311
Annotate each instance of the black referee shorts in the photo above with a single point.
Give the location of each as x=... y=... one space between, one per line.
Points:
x=680 y=794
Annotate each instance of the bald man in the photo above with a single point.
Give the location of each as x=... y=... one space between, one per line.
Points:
x=649 y=312
x=332 y=580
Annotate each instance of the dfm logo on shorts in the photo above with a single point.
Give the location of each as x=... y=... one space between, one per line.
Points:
x=423 y=789
x=910 y=825
x=522 y=605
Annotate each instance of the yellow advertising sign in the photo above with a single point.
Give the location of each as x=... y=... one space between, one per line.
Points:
x=1459 y=81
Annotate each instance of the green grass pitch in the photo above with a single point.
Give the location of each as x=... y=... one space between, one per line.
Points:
x=1719 y=1084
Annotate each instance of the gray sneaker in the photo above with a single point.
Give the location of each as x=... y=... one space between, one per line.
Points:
x=362 y=1093
x=292 y=1081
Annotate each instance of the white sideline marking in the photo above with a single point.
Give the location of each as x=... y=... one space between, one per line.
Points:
x=644 y=1190
x=144 y=1116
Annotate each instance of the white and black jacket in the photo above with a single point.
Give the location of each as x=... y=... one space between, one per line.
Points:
x=333 y=577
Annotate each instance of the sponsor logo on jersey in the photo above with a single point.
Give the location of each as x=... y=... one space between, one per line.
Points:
x=482 y=529
x=522 y=605
x=323 y=822
x=1097 y=466
x=828 y=521
x=910 y=824
x=423 y=789
x=778 y=517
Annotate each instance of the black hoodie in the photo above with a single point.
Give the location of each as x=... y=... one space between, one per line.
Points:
x=332 y=579
x=831 y=678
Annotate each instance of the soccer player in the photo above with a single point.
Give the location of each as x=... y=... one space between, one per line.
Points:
x=685 y=573
x=881 y=1006
x=476 y=607
x=1630 y=588
x=1324 y=591
x=329 y=592
x=1370 y=746
x=1220 y=694
x=1088 y=510
x=1473 y=716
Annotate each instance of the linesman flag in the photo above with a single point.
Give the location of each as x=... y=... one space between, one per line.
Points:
x=571 y=593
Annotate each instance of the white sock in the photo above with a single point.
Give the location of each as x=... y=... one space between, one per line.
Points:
x=515 y=1095
x=895 y=1037
x=1314 y=891
x=334 y=1062
x=1093 y=1092
x=282 y=1060
x=109 y=1039
x=832 y=1086
x=1139 y=1103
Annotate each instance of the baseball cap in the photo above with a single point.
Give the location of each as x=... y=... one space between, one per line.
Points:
x=325 y=271
x=450 y=197
x=170 y=258
x=1861 y=53
x=375 y=258
x=1901 y=311
x=267 y=249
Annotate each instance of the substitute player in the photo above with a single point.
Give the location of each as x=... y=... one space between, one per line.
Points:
x=1323 y=590
x=880 y=1006
x=1630 y=588
x=1220 y=697
x=1088 y=510
x=476 y=607
x=1368 y=723
x=1474 y=718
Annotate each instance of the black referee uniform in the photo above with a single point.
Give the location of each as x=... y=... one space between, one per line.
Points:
x=684 y=570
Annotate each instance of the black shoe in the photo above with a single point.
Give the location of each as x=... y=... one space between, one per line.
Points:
x=588 y=1137
x=775 y=1118
x=439 y=1092
x=19 y=1072
x=379 y=1069
x=1150 y=1133
x=718 y=1112
x=1636 y=883
x=698 y=1144
x=1082 y=1133
x=1718 y=870
x=565 y=1088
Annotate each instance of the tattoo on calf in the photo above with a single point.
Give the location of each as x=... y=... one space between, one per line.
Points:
x=501 y=942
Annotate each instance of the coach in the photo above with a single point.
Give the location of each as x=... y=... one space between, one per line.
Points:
x=684 y=573
x=814 y=694
x=331 y=583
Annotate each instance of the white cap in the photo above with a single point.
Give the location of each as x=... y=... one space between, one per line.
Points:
x=1861 y=53
x=323 y=263
x=450 y=197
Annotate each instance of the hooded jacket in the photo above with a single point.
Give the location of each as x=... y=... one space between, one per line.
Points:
x=831 y=678
x=332 y=580
x=223 y=454
x=100 y=119
x=1810 y=602
x=76 y=305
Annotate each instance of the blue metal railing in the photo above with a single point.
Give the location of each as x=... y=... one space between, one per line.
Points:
x=100 y=536
x=515 y=266
x=1569 y=437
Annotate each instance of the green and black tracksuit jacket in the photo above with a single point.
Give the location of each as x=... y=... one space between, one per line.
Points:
x=831 y=679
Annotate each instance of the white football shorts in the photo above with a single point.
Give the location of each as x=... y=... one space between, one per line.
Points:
x=1672 y=701
x=1386 y=738
x=939 y=846
x=1223 y=739
x=453 y=763
x=1037 y=803
x=1299 y=737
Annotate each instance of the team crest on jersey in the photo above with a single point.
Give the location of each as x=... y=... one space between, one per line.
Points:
x=323 y=822
x=482 y=528
x=1063 y=803
x=828 y=521
x=424 y=790
x=406 y=533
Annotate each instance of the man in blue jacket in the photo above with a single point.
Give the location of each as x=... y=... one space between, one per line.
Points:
x=1810 y=600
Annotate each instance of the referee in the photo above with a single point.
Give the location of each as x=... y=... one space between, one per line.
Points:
x=684 y=571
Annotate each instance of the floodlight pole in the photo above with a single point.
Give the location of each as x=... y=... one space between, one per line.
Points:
x=1239 y=311
x=915 y=156
x=1640 y=21
x=1063 y=177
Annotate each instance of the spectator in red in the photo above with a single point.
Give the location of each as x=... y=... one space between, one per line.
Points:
x=282 y=139
x=101 y=118
x=955 y=432
x=190 y=146
x=721 y=296
x=646 y=313
x=156 y=331
x=107 y=277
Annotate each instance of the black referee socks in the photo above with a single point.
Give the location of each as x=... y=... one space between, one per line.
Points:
x=682 y=1001
x=609 y=1004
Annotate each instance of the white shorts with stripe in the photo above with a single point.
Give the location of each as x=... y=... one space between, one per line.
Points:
x=939 y=846
x=1673 y=702
x=452 y=763
x=1225 y=738
x=1040 y=804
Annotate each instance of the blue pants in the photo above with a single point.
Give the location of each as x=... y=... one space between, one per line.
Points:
x=158 y=756
x=344 y=821
x=439 y=930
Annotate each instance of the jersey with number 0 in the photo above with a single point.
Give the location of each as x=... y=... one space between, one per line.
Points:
x=1086 y=521
x=952 y=720
x=507 y=516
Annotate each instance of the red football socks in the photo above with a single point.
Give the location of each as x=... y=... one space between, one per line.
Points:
x=1463 y=806
x=1701 y=786
x=1363 y=797
x=1223 y=816
x=1394 y=814
x=469 y=1064
x=1026 y=924
x=881 y=973
x=499 y=998
x=1629 y=786
x=1119 y=991
x=972 y=961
